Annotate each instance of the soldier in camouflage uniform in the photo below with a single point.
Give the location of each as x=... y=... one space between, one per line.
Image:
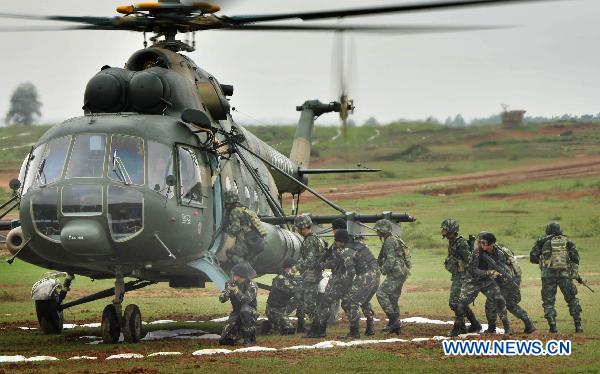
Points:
x=309 y=265
x=244 y=225
x=283 y=289
x=241 y=291
x=510 y=291
x=456 y=262
x=481 y=278
x=395 y=262
x=559 y=263
x=342 y=268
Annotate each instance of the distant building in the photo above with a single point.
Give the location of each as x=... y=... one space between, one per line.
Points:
x=512 y=118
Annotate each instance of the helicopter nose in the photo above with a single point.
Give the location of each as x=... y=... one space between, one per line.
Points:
x=85 y=237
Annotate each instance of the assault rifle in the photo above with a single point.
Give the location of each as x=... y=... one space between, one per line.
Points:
x=581 y=281
x=498 y=267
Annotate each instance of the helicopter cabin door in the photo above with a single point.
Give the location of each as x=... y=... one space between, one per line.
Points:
x=195 y=197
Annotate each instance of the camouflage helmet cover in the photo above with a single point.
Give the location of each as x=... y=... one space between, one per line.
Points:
x=302 y=221
x=231 y=197
x=553 y=228
x=451 y=225
x=244 y=270
x=384 y=226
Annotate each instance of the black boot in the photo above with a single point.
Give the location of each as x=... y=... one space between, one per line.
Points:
x=266 y=327
x=300 y=327
x=491 y=328
x=314 y=330
x=353 y=333
x=475 y=325
x=552 y=324
x=529 y=326
x=394 y=328
x=459 y=328
x=578 y=327
x=322 y=331
x=369 y=331
x=506 y=324
x=249 y=337
x=288 y=331
x=226 y=340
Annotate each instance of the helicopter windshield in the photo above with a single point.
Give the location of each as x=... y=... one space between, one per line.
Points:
x=82 y=200
x=44 y=211
x=125 y=212
x=87 y=157
x=127 y=159
x=47 y=163
x=160 y=165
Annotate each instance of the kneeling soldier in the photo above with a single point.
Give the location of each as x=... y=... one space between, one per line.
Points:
x=241 y=291
x=283 y=289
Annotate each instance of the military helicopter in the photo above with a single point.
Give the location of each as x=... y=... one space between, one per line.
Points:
x=133 y=187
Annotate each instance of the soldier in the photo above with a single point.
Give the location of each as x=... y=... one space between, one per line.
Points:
x=241 y=291
x=283 y=289
x=456 y=262
x=481 y=278
x=395 y=262
x=309 y=265
x=511 y=290
x=559 y=263
x=342 y=274
x=364 y=287
x=244 y=231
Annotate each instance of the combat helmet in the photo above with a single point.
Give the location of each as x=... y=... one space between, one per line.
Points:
x=303 y=221
x=288 y=263
x=338 y=223
x=553 y=228
x=451 y=225
x=244 y=270
x=231 y=197
x=341 y=236
x=383 y=226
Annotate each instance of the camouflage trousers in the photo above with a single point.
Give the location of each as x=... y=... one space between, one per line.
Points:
x=488 y=287
x=512 y=296
x=389 y=293
x=308 y=305
x=363 y=289
x=278 y=317
x=334 y=291
x=239 y=253
x=569 y=291
x=240 y=322
x=455 y=287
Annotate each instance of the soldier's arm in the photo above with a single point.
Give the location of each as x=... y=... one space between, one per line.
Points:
x=536 y=251
x=224 y=296
x=463 y=252
x=349 y=263
x=234 y=222
x=573 y=253
x=473 y=266
x=312 y=245
x=389 y=257
x=249 y=295
x=406 y=254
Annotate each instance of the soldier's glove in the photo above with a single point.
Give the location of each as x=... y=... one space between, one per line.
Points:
x=492 y=274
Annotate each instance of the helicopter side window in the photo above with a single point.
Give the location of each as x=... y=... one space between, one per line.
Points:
x=52 y=162
x=160 y=165
x=44 y=210
x=125 y=212
x=126 y=159
x=190 y=177
x=87 y=157
x=34 y=165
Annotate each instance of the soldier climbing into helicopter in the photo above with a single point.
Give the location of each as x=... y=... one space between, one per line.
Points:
x=244 y=232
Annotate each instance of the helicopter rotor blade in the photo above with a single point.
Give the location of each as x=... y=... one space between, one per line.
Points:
x=404 y=8
x=391 y=29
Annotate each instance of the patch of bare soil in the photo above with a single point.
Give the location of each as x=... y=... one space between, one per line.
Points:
x=579 y=167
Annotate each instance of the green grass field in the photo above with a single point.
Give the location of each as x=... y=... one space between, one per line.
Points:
x=517 y=213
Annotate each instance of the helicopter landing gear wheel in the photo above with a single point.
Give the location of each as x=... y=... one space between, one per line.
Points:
x=48 y=315
x=110 y=328
x=132 y=324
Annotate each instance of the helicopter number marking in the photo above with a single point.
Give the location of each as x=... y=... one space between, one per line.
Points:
x=75 y=237
x=186 y=219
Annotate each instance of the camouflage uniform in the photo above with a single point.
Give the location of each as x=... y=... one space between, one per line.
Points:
x=309 y=266
x=395 y=262
x=459 y=254
x=242 y=320
x=283 y=289
x=241 y=222
x=559 y=264
x=481 y=279
x=363 y=288
x=511 y=293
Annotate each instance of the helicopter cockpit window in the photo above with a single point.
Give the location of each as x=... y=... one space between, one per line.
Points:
x=87 y=157
x=126 y=159
x=82 y=200
x=45 y=214
x=51 y=164
x=160 y=165
x=34 y=166
x=190 y=177
x=125 y=212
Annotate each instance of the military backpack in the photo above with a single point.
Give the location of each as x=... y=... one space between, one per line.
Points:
x=555 y=254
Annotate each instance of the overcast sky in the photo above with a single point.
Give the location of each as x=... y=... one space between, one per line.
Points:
x=548 y=65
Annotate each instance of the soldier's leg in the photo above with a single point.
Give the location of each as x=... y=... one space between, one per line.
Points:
x=230 y=332
x=284 y=326
x=569 y=291
x=470 y=289
x=548 y=299
x=492 y=292
x=366 y=306
x=309 y=299
x=388 y=295
x=248 y=324
x=490 y=314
